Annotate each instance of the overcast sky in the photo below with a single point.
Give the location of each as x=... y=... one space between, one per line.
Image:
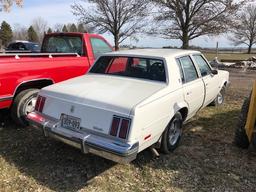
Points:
x=59 y=11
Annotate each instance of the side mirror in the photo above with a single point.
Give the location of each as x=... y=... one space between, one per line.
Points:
x=215 y=72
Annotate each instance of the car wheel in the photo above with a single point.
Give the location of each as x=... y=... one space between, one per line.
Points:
x=241 y=139
x=172 y=134
x=23 y=104
x=219 y=100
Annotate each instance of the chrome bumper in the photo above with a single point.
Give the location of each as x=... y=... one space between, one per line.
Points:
x=86 y=142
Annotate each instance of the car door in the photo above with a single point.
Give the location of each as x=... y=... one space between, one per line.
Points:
x=210 y=80
x=193 y=86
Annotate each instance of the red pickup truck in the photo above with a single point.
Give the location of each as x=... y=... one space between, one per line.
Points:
x=63 y=56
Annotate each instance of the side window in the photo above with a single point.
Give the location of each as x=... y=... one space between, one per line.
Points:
x=202 y=64
x=188 y=68
x=15 y=46
x=99 y=47
x=10 y=46
x=22 y=47
x=181 y=71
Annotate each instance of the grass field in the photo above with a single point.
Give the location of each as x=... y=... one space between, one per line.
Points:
x=206 y=160
x=228 y=56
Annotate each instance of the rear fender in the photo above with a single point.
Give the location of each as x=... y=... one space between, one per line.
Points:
x=33 y=83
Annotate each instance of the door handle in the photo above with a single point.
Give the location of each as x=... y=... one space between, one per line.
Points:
x=189 y=93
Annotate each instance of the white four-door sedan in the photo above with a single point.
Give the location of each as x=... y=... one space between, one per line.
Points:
x=129 y=101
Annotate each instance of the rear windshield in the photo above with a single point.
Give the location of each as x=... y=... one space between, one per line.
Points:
x=135 y=67
x=63 y=44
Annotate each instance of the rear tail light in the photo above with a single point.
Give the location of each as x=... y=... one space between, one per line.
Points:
x=115 y=126
x=124 y=128
x=120 y=127
x=40 y=103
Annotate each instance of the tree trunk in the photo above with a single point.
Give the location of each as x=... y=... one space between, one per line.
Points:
x=185 y=40
x=250 y=48
x=116 y=39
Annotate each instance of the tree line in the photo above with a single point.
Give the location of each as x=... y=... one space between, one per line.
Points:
x=185 y=20
x=35 y=32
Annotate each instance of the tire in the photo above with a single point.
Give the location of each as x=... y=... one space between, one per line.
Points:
x=171 y=137
x=241 y=140
x=219 y=100
x=23 y=103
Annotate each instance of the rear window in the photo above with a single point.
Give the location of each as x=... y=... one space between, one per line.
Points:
x=63 y=44
x=142 y=68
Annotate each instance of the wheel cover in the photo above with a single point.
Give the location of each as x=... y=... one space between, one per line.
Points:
x=220 y=98
x=174 y=132
x=30 y=105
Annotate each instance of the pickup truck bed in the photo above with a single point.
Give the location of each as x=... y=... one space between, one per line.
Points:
x=22 y=75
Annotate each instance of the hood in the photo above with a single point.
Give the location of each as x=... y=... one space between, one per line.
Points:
x=108 y=92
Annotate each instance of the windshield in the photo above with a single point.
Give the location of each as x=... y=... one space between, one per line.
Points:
x=63 y=44
x=142 y=68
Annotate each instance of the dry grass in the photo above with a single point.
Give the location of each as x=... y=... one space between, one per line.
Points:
x=206 y=160
x=228 y=56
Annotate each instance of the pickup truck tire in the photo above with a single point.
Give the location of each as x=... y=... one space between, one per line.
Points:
x=172 y=134
x=219 y=100
x=241 y=140
x=23 y=103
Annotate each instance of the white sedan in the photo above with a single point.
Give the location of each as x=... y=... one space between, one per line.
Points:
x=129 y=101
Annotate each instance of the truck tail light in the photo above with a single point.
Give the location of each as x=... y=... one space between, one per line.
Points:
x=115 y=126
x=124 y=128
x=120 y=127
x=40 y=103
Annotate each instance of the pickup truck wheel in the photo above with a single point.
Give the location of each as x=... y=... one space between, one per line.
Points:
x=241 y=139
x=219 y=100
x=23 y=104
x=172 y=134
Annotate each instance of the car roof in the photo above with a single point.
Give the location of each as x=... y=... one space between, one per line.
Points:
x=160 y=53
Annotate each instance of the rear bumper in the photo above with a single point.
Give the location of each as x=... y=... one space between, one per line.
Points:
x=86 y=142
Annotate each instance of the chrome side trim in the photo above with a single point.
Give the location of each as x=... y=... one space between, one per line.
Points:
x=5 y=98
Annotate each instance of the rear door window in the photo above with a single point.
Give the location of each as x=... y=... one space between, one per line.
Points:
x=99 y=47
x=188 y=69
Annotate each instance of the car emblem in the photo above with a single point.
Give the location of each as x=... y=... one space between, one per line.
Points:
x=72 y=109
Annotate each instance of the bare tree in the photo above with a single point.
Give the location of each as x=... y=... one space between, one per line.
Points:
x=121 y=18
x=6 y=4
x=40 y=26
x=244 y=28
x=19 y=32
x=189 y=19
x=58 y=27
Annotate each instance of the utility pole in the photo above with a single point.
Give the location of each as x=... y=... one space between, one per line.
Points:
x=217 y=49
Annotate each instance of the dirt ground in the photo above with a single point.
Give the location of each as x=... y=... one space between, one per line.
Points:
x=206 y=160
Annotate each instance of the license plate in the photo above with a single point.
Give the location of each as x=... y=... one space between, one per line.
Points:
x=70 y=122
